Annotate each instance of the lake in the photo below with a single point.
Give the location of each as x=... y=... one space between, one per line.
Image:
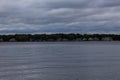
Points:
x=60 y=61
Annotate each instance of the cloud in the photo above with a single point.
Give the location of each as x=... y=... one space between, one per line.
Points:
x=54 y=16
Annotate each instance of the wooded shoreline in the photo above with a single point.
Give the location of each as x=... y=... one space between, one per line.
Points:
x=58 y=37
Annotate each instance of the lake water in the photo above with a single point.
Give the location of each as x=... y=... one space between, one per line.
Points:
x=60 y=61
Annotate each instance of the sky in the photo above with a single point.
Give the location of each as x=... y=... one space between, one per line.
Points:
x=59 y=16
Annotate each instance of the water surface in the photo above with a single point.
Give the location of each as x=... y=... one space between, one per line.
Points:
x=60 y=61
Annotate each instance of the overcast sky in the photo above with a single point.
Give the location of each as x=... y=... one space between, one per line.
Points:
x=56 y=16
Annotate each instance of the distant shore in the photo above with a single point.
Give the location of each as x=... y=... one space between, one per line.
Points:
x=60 y=37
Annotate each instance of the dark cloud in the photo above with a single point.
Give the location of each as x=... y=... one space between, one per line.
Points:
x=52 y=16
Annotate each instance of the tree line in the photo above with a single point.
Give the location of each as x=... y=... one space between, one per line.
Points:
x=58 y=37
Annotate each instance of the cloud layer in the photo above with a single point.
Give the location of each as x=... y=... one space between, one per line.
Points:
x=56 y=16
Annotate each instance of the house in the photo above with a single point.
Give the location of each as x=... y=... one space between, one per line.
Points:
x=90 y=39
x=96 y=39
x=79 y=39
x=107 y=39
x=12 y=40
x=1 y=40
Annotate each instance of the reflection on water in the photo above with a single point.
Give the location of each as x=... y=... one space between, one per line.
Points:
x=60 y=61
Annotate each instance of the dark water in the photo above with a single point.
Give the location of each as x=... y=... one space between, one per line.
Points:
x=60 y=61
